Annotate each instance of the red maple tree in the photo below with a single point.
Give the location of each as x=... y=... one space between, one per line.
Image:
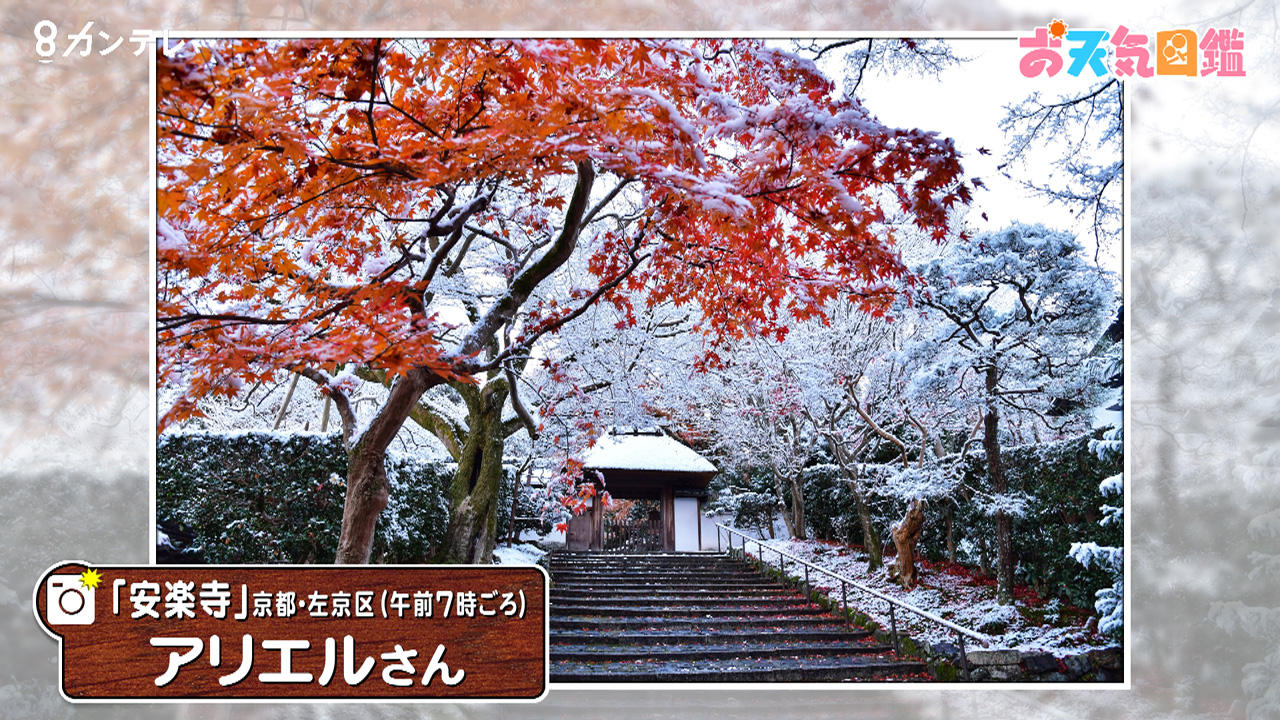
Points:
x=400 y=208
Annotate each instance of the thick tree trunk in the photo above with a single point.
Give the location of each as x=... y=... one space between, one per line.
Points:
x=474 y=504
x=473 y=494
x=906 y=534
x=782 y=501
x=367 y=488
x=999 y=485
x=849 y=468
x=1004 y=558
x=368 y=492
x=875 y=559
x=798 y=530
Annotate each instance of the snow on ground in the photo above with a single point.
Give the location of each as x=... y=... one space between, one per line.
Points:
x=522 y=554
x=1029 y=625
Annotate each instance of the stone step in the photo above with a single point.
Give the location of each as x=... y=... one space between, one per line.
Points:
x=704 y=636
x=615 y=600
x=640 y=556
x=658 y=622
x=773 y=591
x=616 y=573
x=718 y=651
x=674 y=618
x=712 y=562
x=719 y=601
x=641 y=593
x=677 y=583
x=648 y=567
x=665 y=573
x=733 y=671
x=720 y=563
x=682 y=611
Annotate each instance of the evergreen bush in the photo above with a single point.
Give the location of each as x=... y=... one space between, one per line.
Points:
x=1060 y=480
x=263 y=497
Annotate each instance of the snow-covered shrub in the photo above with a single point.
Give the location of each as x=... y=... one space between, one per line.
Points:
x=751 y=510
x=994 y=618
x=1110 y=602
x=747 y=494
x=1108 y=558
x=1109 y=370
x=829 y=505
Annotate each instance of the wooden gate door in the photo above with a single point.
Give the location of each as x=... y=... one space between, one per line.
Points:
x=578 y=537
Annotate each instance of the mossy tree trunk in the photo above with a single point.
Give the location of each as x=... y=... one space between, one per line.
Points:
x=473 y=494
x=797 y=509
x=479 y=449
x=782 y=503
x=870 y=540
x=846 y=458
x=793 y=515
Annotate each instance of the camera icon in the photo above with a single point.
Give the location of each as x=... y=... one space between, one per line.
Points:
x=67 y=602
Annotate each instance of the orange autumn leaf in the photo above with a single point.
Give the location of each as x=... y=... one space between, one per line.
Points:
x=395 y=204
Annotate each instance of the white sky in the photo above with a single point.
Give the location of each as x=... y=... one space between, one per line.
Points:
x=967 y=104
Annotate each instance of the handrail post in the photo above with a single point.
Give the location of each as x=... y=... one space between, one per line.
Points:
x=893 y=630
x=844 y=600
x=762 y=564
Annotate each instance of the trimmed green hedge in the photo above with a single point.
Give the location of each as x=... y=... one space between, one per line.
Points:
x=260 y=497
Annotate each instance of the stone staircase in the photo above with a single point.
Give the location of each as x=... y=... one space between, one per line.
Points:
x=700 y=617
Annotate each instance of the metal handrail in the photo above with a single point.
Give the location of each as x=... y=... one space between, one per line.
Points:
x=845 y=583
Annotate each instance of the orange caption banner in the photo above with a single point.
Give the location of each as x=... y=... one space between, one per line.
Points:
x=271 y=632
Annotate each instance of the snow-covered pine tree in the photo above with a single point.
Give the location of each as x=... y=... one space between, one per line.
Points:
x=1014 y=315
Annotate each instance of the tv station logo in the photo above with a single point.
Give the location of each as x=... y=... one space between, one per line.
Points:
x=1124 y=52
x=276 y=632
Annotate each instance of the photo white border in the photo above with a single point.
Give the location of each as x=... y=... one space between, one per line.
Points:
x=1013 y=35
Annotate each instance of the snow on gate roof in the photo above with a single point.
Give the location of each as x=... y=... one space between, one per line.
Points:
x=647 y=449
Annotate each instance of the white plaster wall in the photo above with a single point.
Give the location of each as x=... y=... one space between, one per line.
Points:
x=687 y=524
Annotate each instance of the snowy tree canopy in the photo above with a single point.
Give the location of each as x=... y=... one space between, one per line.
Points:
x=1023 y=301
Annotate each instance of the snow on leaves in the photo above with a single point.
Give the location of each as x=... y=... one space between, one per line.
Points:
x=1022 y=300
x=381 y=202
